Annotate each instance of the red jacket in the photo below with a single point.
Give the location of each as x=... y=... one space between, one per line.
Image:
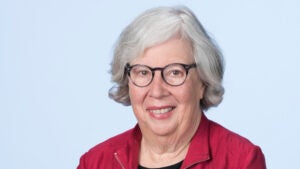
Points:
x=212 y=147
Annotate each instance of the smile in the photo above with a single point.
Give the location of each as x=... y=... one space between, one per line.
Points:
x=161 y=111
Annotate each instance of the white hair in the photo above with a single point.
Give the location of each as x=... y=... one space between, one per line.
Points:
x=156 y=26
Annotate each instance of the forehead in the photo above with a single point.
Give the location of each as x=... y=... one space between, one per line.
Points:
x=175 y=50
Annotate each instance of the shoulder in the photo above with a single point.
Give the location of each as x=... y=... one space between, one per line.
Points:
x=103 y=153
x=220 y=136
x=113 y=143
x=240 y=151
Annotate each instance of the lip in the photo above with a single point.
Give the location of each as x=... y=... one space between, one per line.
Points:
x=160 y=113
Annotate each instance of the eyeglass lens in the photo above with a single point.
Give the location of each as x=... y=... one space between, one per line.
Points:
x=173 y=74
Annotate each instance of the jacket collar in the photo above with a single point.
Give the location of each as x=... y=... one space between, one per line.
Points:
x=199 y=148
x=128 y=155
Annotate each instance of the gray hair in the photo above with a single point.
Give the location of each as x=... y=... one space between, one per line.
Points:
x=156 y=26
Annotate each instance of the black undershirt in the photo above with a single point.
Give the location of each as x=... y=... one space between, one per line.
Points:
x=174 y=166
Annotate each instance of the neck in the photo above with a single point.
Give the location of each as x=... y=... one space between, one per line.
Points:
x=162 y=151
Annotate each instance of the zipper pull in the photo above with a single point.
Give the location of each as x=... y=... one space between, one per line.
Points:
x=118 y=159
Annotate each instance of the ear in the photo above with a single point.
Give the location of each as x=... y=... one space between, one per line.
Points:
x=201 y=90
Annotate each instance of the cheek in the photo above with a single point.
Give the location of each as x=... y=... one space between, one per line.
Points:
x=135 y=95
x=200 y=91
x=193 y=92
x=131 y=94
x=198 y=87
x=136 y=99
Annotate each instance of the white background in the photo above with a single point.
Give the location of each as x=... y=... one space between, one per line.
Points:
x=54 y=76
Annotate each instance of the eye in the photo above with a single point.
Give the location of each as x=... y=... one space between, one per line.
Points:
x=143 y=72
x=174 y=72
x=140 y=71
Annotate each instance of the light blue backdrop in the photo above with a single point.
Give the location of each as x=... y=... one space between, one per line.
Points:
x=54 y=63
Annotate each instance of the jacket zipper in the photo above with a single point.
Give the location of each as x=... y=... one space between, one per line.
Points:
x=118 y=159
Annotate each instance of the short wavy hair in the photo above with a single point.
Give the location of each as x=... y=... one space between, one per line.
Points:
x=156 y=26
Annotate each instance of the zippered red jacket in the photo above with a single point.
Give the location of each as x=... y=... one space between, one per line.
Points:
x=212 y=147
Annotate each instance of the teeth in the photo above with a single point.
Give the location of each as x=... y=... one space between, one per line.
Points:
x=161 y=111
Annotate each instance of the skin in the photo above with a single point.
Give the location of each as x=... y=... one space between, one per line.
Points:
x=166 y=136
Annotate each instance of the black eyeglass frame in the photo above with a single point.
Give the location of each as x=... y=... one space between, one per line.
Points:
x=187 y=67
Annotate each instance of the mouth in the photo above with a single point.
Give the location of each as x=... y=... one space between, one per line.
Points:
x=159 y=111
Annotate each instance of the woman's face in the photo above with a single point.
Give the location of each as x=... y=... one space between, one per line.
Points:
x=161 y=109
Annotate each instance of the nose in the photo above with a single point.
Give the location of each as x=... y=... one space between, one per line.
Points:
x=158 y=88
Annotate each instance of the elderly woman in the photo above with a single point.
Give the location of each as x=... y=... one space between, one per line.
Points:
x=169 y=70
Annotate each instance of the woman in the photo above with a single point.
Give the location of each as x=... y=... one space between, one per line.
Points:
x=167 y=68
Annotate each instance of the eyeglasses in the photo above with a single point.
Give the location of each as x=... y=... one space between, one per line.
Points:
x=173 y=74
